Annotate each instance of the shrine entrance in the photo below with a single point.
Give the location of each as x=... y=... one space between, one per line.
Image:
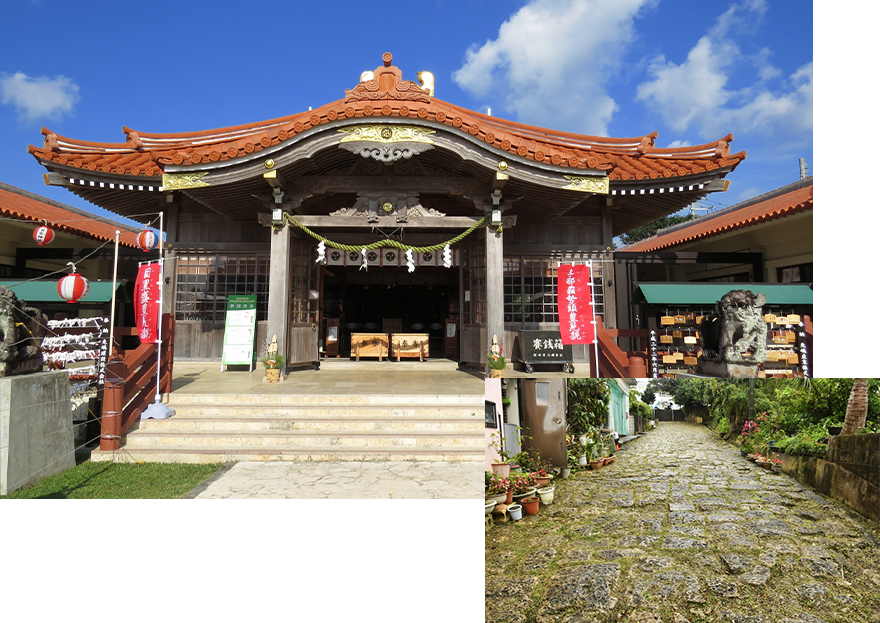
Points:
x=388 y=301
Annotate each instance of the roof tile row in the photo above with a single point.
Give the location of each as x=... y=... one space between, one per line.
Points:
x=621 y=159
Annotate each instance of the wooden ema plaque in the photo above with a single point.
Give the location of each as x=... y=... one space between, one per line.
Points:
x=409 y=345
x=369 y=345
x=666 y=339
x=690 y=339
x=690 y=361
x=667 y=320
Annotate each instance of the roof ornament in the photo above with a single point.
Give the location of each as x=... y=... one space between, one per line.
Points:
x=426 y=80
x=387 y=83
x=723 y=148
x=647 y=143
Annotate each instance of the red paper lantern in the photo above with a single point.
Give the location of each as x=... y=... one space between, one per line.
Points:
x=147 y=240
x=44 y=234
x=73 y=287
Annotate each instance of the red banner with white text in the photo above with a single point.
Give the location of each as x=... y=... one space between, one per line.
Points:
x=146 y=303
x=574 y=295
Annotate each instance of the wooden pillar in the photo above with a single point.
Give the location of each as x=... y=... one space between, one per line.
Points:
x=111 y=411
x=279 y=288
x=495 y=289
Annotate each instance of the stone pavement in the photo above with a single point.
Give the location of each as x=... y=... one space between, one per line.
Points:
x=345 y=480
x=682 y=529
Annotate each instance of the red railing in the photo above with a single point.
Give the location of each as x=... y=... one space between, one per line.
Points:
x=130 y=382
x=615 y=362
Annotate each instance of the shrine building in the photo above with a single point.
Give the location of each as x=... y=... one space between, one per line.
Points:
x=427 y=218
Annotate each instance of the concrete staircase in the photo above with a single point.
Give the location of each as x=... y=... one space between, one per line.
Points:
x=216 y=428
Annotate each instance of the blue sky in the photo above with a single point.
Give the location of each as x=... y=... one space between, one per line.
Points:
x=622 y=69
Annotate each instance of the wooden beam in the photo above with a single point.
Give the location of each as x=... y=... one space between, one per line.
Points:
x=442 y=222
x=495 y=288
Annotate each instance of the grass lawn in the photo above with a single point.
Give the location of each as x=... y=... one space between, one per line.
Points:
x=117 y=481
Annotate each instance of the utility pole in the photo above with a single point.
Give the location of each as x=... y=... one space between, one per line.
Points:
x=803 y=167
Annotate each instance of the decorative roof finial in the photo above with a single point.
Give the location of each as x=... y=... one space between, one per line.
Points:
x=386 y=58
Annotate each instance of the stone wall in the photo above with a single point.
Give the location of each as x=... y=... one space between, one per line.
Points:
x=36 y=429
x=850 y=474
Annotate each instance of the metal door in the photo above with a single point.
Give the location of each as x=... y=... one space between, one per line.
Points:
x=543 y=418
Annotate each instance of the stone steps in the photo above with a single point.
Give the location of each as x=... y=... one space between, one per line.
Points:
x=283 y=427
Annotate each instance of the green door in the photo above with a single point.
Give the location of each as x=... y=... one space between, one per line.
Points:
x=618 y=409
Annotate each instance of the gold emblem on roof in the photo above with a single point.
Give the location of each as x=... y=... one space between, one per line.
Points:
x=180 y=181
x=589 y=184
x=387 y=134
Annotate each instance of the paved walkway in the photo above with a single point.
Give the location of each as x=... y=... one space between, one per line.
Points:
x=682 y=529
x=345 y=480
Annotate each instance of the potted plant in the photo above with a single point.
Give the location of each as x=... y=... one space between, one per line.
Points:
x=274 y=364
x=530 y=505
x=546 y=494
x=502 y=467
x=490 y=506
x=497 y=363
x=523 y=486
x=497 y=490
x=515 y=511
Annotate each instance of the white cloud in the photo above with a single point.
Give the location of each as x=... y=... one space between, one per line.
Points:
x=695 y=94
x=552 y=60
x=675 y=144
x=34 y=98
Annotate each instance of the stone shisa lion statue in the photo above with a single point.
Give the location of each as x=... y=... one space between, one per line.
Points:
x=21 y=329
x=734 y=337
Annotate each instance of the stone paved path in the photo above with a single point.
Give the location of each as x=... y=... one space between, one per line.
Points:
x=346 y=480
x=681 y=528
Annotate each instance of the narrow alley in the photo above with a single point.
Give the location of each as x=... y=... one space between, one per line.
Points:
x=681 y=528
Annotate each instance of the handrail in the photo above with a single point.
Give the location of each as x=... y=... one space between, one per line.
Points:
x=614 y=362
x=128 y=386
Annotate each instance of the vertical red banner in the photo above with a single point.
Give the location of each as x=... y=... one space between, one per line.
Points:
x=146 y=303
x=574 y=296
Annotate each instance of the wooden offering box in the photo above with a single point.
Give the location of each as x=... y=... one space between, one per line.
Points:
x=369 y=345
x=409 y=345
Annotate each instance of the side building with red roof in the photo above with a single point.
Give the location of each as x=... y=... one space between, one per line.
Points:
x=32 y=270
x=764 y=245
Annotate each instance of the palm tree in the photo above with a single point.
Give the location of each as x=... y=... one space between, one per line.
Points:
x=856 y=408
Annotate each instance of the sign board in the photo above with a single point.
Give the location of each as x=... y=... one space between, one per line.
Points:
x=574 y=291
x=238 y=338
x=544 y=347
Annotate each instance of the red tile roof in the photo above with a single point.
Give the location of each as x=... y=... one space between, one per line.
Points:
x=387 y=94
x=19 y=204
x=788 y=200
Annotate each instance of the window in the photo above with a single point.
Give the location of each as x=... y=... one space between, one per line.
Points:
x=491 y=415
x=542 y=393
x=801 y=273
x=530 y=289
x=205 y=281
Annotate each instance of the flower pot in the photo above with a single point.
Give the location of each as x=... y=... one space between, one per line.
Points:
x=565 y=472
x=273 y=375
x=596 y=464
x=515 y=511
x=498 y=498
x=834 y=430
x=518 y=497
x=582 y=440
x=490 y=506
x=543 y=481
x=546 y=495
x=582 y=460
x=608 y=460
x=502 y=470
x=530 y=505
x=496 y=374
